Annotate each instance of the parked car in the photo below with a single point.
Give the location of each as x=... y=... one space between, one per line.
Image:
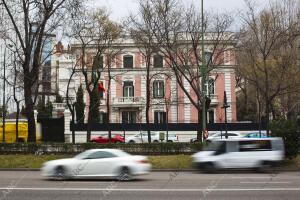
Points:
x=143 y=137
x=222 y=135
x=115 y=138
x=97 y=163
x=256 y=135
x=240 y=153
x=172 y=137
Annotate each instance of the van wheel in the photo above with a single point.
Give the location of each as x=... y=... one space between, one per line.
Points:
x=155 y=141
x=170 y=141
x=131 y=141
x=265 y=167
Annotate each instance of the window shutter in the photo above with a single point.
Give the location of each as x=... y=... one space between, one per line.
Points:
x=154 y=89
x=162 y=89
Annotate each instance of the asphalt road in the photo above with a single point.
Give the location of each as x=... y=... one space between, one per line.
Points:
x=28 y=185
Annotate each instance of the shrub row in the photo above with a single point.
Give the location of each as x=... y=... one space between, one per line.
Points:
x=289 y=130
x=67 y=148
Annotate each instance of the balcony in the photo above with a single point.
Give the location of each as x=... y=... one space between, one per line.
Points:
x=128 y=102
x=214 y=99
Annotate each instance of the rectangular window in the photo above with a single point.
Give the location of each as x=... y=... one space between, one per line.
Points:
x=157 y=61
x=128 y=61
x=211 y=116
x=158 y=89
x=160 y=117
x=103 y=117
x=98 y=62
x=128 y=89
x=210 y=86
x=129 y=117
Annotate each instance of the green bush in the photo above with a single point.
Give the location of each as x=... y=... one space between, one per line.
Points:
x=68 y=148
x=289 y=130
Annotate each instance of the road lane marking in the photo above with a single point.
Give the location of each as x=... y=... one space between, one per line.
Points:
x=152 y=190
x=251 y=177
x=264 y=182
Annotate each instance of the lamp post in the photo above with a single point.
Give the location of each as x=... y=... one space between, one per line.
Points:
x=225 y=106
x=203 y=74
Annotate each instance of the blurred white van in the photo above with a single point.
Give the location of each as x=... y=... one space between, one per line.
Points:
x=260 y=153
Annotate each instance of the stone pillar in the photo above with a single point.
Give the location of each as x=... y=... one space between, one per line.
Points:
x=68 y=134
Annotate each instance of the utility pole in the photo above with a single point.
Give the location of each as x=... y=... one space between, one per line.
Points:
x=203 y=72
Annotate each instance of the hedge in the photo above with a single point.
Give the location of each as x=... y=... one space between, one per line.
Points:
x=289 y=130
x=68 y=148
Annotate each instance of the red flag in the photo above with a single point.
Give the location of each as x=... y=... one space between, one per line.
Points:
x=100 y=87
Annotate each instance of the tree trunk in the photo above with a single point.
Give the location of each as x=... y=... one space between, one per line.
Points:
x=89 y=125
x=17 y=121
x=148 y=99
x=29 y=107
x=107 y=104
x=199 y=126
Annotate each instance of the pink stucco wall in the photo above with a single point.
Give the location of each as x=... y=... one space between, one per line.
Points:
x=233 y=97
x=219 y=90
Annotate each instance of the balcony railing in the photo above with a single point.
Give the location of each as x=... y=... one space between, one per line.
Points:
x=214 y=99
x=128 y=101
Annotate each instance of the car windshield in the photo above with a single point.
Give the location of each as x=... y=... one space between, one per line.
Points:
x=213 y=146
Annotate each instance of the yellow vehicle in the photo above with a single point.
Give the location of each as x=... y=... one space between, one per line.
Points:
x=10 y=132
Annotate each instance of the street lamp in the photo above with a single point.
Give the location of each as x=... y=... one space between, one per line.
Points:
x=225 y=106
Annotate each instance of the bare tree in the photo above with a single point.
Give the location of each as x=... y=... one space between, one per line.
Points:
x=267 y=44
x=93 y=31
x=177 y=33
x=30 y=21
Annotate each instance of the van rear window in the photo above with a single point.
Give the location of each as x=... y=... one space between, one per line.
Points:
x=255 y=145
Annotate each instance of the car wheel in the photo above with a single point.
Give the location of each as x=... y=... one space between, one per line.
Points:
x=170 y=141
x=131 y=141
x=118 y=141
x=94 y=142
x=60 y=174
x=124 y=174
x=155 y=141
x=209 y=168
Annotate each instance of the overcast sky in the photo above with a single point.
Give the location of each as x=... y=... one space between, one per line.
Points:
x=121 y=8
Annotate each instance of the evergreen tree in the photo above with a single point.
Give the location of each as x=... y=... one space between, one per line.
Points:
x=95 y=102
x=79 y=105
x=44 y=111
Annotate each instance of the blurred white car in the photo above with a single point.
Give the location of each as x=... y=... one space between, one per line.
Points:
x=257 y=153
x=143 y=137
x=97 y=163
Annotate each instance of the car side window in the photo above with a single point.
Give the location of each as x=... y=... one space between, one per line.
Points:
x=101 y=154
x=105 y=136
x=221 y=149
x=113 y=135
x=255 y=145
